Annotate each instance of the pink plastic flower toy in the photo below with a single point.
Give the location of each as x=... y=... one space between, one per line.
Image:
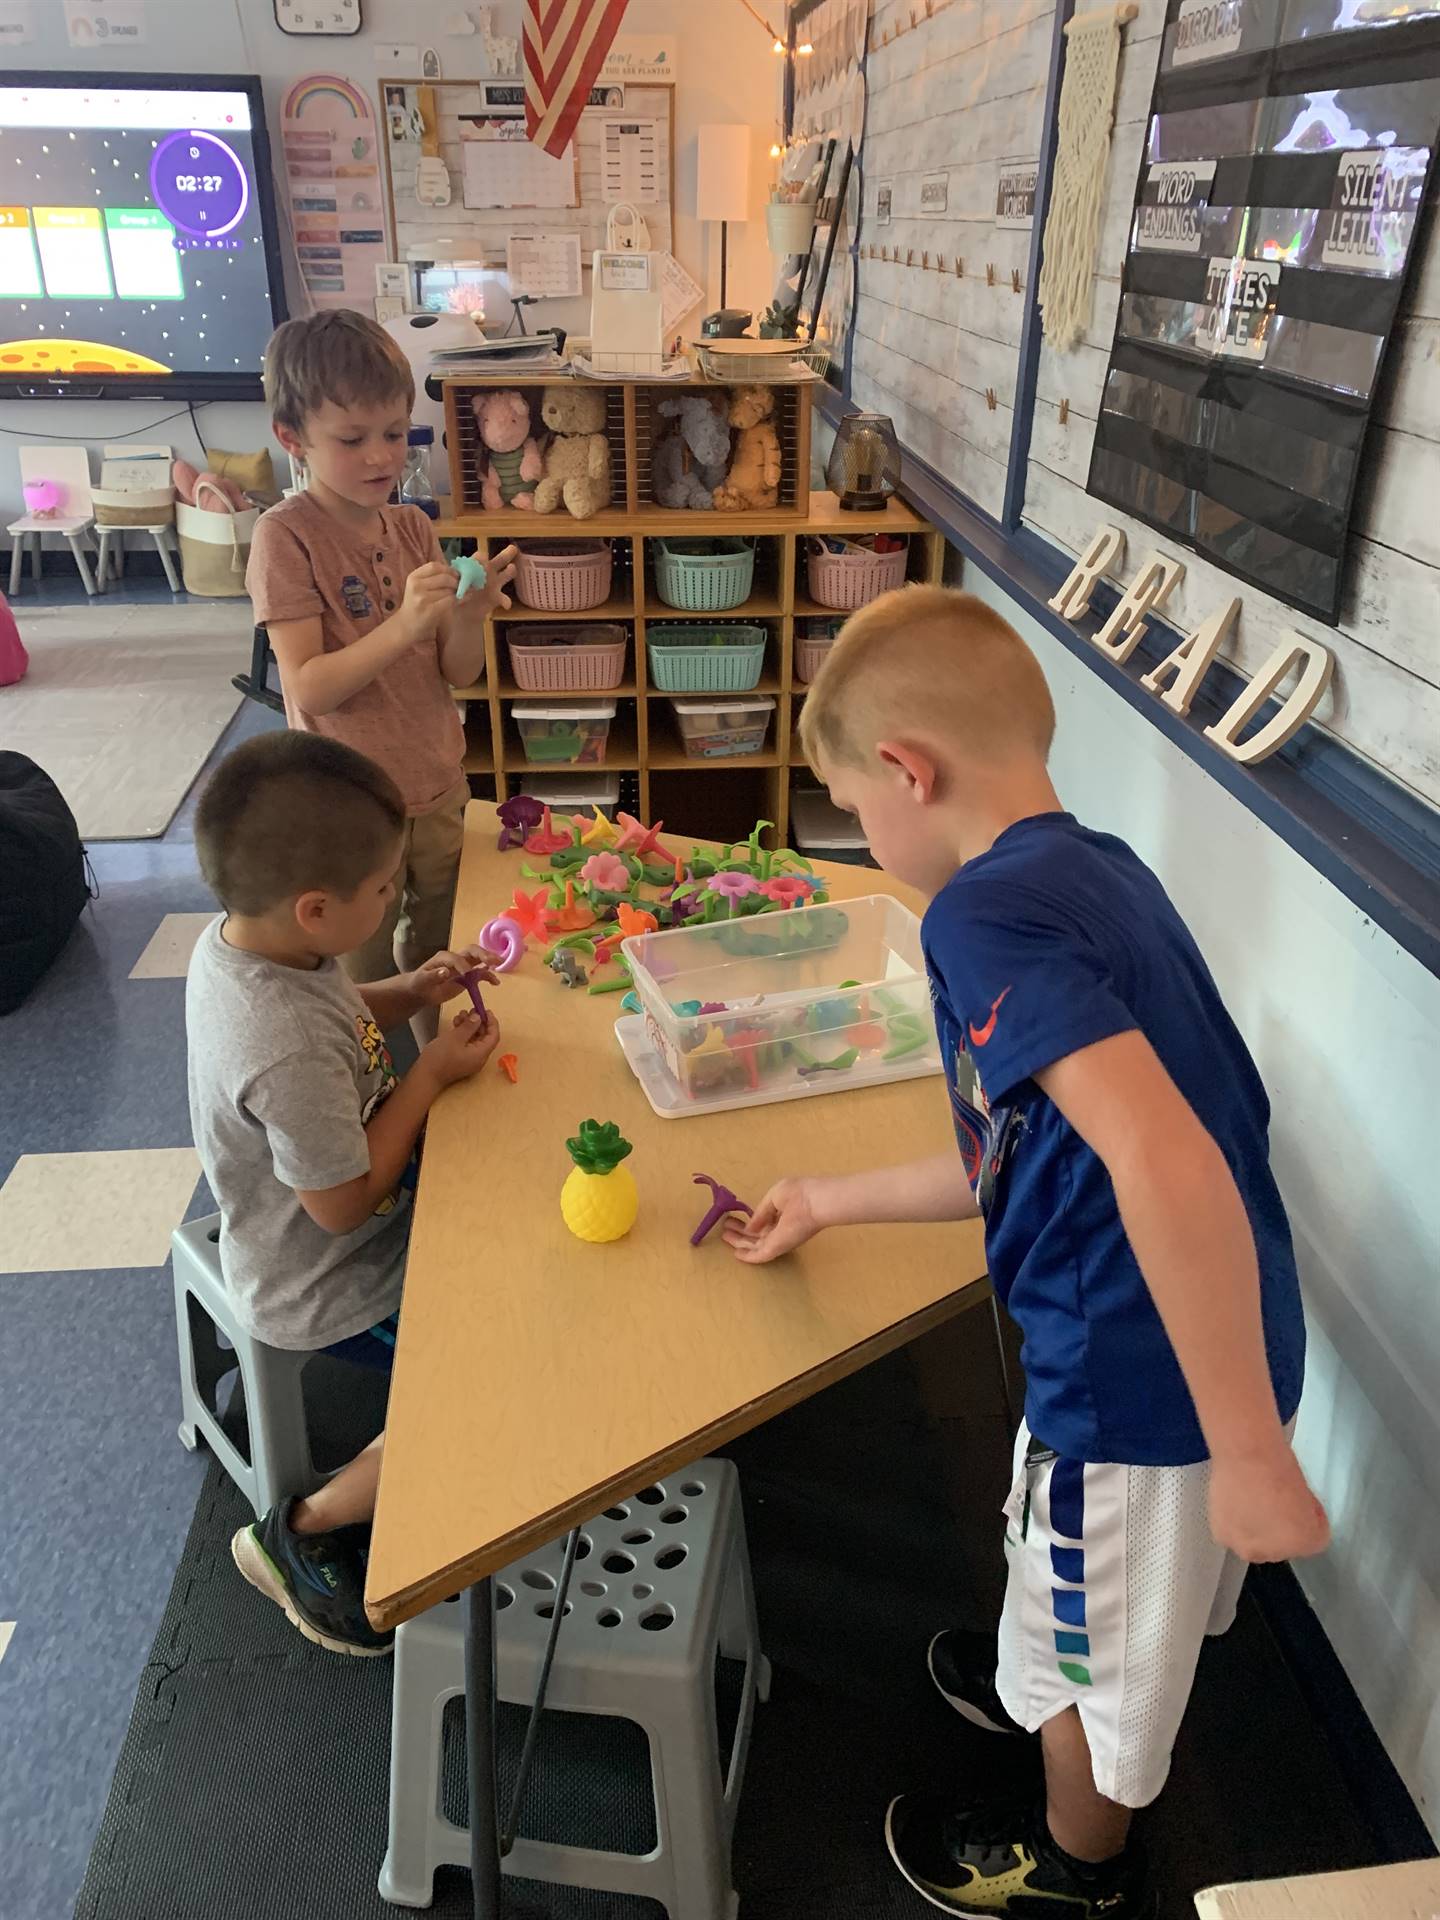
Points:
x=505 y=940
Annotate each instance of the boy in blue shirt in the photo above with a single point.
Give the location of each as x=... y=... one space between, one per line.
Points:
x=1113 y=1134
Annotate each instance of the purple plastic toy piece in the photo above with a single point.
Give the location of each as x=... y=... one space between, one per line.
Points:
x=471 y=983
x=518 y=816
x=723 y=1203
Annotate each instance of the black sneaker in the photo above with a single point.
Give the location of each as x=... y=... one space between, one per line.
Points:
x=962 y=1665
x=318 y=1578
x=995 y=1861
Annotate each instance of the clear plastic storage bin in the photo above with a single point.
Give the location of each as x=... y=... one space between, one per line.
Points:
x=722 y=729
x=575 y=792
x=822 y=831
x=812 y=1000
x=565 y=733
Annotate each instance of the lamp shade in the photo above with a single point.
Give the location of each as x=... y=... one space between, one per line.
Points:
x=864 y=464
x=722 y=173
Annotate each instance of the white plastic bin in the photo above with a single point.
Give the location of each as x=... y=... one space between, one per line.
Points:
x=575 y=792
x=821 y=830
x=722 y=729
x=565 y=733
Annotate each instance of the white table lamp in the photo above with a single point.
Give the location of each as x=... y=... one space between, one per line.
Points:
x=722 y=181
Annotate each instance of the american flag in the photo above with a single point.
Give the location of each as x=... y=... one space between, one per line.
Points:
x=566 y=42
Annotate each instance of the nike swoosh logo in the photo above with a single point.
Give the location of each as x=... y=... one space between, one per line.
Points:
x=982 y=1036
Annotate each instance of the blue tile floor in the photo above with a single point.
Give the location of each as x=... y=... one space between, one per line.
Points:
x=97 y=1493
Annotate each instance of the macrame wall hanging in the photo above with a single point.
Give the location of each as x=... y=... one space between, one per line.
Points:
x=1082 y=156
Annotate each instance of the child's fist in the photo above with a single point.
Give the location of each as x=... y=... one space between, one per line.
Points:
x=428 y=592
x=1262 y=1508
x=462 y=1048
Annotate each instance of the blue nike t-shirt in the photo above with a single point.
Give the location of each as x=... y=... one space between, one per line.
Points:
x=1056 y=938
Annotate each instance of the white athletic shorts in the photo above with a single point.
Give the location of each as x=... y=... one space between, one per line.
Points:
x=1114 y=1583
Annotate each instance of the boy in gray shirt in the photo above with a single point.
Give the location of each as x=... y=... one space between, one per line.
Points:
x=303 y=1127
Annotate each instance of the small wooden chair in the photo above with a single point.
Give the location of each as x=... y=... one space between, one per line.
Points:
x=73 y=518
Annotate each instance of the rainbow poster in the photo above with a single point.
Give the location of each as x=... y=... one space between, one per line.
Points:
x=336 y=203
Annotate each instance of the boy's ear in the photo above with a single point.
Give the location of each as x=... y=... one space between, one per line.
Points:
x=289 y=440
x=310 y=910
x=916 y=767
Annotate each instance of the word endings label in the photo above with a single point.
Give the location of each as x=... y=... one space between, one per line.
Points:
x=1169 y=219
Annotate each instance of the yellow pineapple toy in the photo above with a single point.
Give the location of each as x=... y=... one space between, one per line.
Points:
x=599 y=1200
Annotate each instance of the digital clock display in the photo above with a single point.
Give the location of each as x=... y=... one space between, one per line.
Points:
x=199 y=183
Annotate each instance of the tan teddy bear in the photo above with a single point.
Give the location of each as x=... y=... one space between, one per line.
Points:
x=755 y=466
x=577 y=460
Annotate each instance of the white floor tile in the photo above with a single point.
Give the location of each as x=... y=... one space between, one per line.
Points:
x=167 y=957
x=7 y=1627
x=81 y=1212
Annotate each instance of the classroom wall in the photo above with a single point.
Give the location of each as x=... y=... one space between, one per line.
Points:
x=727 y=73
x=1345 y=1027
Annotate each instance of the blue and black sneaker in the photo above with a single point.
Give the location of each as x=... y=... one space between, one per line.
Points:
x=318 y=1578
x=999 y=1863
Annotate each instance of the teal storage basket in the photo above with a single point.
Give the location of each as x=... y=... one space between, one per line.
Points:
x=699 y=659
x=704 y=576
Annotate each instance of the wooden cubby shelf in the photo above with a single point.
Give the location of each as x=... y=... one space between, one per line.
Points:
x=644 y=738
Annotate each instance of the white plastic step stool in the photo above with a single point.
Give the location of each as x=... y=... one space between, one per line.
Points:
x=661 y=1585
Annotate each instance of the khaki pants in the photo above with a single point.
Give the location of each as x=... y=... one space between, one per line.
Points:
x=418 y=921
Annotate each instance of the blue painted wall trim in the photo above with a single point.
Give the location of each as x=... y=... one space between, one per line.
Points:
x=1374 y=841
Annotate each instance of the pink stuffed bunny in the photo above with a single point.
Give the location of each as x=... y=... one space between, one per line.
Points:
x=189 y=482
x=515 y=461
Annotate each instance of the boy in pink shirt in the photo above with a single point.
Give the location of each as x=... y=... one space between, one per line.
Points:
x=360 y=607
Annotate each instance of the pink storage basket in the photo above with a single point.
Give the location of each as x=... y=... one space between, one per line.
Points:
x=811 y=653
x=569 y=659
x=566 y=576
x=849 y=580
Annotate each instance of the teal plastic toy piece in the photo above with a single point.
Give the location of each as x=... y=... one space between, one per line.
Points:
x=631 y=1003
x=472 y=574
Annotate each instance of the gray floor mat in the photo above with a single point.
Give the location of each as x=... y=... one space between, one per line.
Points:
x=252 y=1782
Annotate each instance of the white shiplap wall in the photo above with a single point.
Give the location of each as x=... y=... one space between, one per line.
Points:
x=957 y=94
x=1385 y=698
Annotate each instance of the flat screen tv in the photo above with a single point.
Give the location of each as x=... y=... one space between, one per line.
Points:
x=138 y=247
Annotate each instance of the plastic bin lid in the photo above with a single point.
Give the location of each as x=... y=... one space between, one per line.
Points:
x=568 y=710
x=734 y=703
x=580 y=789
x=818 y=822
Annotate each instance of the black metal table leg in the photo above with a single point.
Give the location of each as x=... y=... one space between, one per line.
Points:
x=480 y=1749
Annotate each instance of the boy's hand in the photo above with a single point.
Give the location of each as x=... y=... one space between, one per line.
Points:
x=785 y=1219
x=1261 y=1507
x=499 y=572
x=438 y=980
x=428 y=592
x=461 y=1049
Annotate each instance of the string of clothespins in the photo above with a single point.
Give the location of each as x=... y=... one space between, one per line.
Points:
x=936 y=263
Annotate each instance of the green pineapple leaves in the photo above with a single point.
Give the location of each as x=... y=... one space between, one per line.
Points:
x=598 y=1147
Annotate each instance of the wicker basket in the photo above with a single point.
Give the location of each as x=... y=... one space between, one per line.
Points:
x=569 y=659
x=721 y=659
x=117 y=507
x=849 y=580
x=567 y=576
x=811 y=652
x=704 y=576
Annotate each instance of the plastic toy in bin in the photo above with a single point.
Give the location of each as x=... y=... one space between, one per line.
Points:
x=813 y=1000
x=571 y=733
x=722 y=729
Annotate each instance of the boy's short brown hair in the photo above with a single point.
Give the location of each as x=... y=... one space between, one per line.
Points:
x=293 y=813
x=927 y=660
x=341 y=356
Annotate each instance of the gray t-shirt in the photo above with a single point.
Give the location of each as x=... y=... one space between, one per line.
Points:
x=286 y=1067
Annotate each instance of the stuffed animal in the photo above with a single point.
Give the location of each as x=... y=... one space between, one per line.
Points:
x=577 y=460
x=754 y=477
x=199 y=489
x=515 y=461
x=690 y=459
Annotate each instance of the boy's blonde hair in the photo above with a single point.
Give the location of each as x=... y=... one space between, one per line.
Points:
x=340 y=356
x=927 y=660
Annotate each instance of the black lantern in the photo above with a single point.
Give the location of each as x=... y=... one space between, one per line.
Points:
x=864 y=464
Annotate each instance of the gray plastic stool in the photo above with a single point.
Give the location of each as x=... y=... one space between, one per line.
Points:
x=663 y=1585
x=279 y=1462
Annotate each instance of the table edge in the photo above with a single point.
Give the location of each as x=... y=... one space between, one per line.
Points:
x=391 y=1610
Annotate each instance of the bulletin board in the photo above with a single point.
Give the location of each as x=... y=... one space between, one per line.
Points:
x=1276 y=208
x=482 y=233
